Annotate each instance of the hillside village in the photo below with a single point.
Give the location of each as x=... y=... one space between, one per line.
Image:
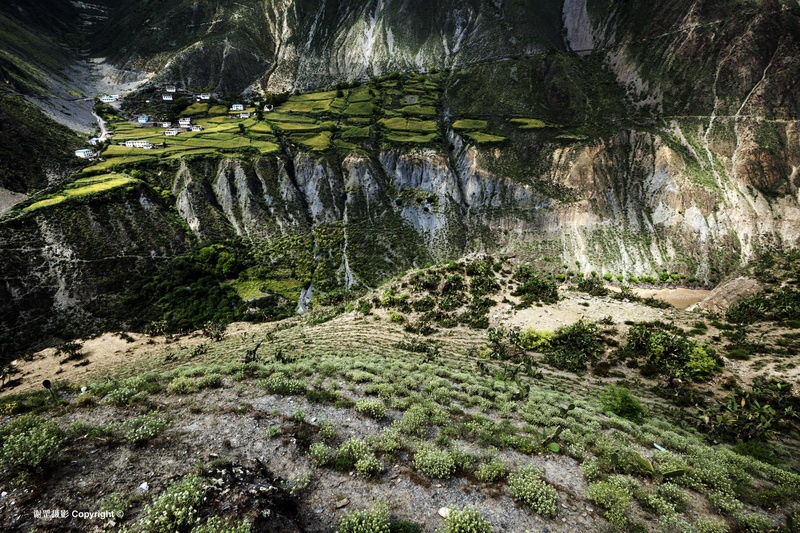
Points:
x=184 y=123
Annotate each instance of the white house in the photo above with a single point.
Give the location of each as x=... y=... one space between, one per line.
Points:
x=204 y=96
x=269 y=107
x=84 y=153
x=138 y=143
x=171 y=88
x=93 y=141
x=185 y=122
x=171 y=133
x=144 y=119
x=237 y=107
x=166 y=124
x=107 y=98
x=244 y=115
x=197 y=128
x=166 y=97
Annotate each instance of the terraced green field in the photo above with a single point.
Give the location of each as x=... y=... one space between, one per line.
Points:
x=403 y=110
x=83 y=187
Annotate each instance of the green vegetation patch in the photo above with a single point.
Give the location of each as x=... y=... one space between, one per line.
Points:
x=355 y=132
x=261 y=127
x=197 y=108
x=410 y=138
x=480 y=137
x=409 y=124
x=469 y=124
x=424 y=110
x=83 y=187
x=298 y=126
x=305 y=106
x=319 y=142
x=528 y=123
x=362 y=109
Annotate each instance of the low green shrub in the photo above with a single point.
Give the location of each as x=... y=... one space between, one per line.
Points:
x=528 y=486
x=533 y=288
x=491 y=471
x=755 y=523
x=536 y=340
x=216 y=525
x=593 y=286
x=414 y=421
x=372 y=408
x=183 y=385
x=668 y=350
x=675 y=495
x=319 y=453
x=121 y=396
x=143 y=428
x=282 y=384
x=350 y=452
x=368 y=466
x=614 y=496
x=710 y=525
x=376 y=520
x=621 y=402
x=573 y=346
x=467 y=520
x=434 y=463
x=29 y=442
x=177 y=508
x=768 y=407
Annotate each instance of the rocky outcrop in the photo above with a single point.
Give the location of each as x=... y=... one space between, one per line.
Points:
x=63 y=266
x=729 y=293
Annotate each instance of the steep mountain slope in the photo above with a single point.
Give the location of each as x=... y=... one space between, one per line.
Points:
x=286 y=44
x=35 y=151
x=643 y=141
x=42 y=56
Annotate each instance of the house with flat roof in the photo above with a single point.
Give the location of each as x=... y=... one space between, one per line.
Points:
x=93 y=141
x=204 y=96
x=138 y=143
x=166 y=124
x=84 y=153
x=197 y=128
x=237 y=107
x=244 y=115
x=143 y=119
x=185 y=122
x=166 y=97
x=171 y=88
x=107 y=98
x=172 y=132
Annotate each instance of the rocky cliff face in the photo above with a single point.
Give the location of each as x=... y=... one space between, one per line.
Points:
x=286 y=44
x=63 y=267
x=679 y=150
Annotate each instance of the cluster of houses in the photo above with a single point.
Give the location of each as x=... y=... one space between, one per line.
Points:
x=184 y=124
x=170 y=130
x=170 y=90
x=237 y=111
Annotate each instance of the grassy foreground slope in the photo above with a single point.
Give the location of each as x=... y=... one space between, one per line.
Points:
x=386 y=399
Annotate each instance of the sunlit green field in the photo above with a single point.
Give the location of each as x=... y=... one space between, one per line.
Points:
x=83 y=187
x=394 y=110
